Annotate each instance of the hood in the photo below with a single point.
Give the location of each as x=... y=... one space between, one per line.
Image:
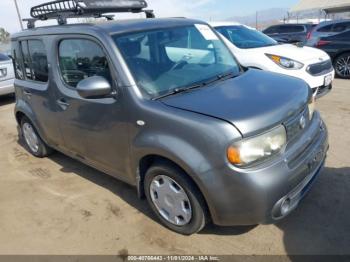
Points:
x=252 y=102
x=302 y=54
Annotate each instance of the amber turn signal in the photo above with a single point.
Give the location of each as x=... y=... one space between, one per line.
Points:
x=233 y=156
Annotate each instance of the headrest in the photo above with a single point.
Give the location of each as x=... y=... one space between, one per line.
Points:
x=131 y=48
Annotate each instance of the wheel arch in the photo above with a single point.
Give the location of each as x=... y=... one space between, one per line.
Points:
x=149 y=160
x=340 y=53
x=23 y=110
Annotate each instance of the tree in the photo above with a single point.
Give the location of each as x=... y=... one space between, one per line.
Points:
x=4 y=36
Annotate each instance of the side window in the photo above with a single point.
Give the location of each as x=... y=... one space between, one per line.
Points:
x=299 y=29
x=292 y=29
x=325 y=29
x=271 y=30
x=80 y=59
x=182 y=41
x=340 y=27
x=38 y=60
x=34 y=60
x=17 y=62
x=197 y=50
x=284 y=29
x=26 y=60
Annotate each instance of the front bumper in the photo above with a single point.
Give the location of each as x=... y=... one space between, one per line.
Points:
x=6 y=87
x=256 y=195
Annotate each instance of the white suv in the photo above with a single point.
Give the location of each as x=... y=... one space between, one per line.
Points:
x=6 y=75
x=254 y=49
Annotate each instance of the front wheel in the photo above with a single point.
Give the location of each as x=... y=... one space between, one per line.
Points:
x=175 y=199
x=342 y=66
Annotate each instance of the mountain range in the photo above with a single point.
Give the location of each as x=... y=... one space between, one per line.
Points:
x=264 y=16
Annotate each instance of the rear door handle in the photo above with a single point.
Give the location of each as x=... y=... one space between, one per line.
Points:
x=63 y=103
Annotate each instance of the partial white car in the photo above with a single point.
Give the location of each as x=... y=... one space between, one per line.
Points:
x=7 y=75
x=254 y=49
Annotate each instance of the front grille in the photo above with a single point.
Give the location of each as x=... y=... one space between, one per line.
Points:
x=304 y=150
x=294 y=127
x=320 y=68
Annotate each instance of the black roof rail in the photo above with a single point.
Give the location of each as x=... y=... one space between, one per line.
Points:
x=63 y=9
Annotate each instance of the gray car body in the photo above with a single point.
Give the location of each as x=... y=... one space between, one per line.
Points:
x=124 y=134
x=316 y=34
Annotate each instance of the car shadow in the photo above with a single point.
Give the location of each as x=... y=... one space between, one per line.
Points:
x=6 y=100
x=212 y=229
x=123 y=190
x=321 y=224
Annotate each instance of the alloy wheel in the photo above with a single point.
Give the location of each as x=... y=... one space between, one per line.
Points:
x=343 y=66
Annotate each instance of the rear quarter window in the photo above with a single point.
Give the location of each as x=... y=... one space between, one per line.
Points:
x=17 y=61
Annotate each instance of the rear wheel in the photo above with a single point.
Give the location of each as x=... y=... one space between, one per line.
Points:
x=175 y=199
x=342 y=66
x=34 y=144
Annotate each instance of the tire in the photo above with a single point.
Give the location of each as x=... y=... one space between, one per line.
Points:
x=199 y=214
x=342 y=66
x=41 y=149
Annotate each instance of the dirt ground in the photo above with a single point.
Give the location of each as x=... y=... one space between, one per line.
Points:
x=60 y=206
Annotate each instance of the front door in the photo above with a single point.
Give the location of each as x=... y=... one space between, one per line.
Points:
x=94 y=130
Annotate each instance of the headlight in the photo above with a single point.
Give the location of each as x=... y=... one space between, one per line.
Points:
x=285 y=63
x=258 y=148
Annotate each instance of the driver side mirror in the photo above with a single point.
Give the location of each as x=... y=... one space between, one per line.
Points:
x=94 y=87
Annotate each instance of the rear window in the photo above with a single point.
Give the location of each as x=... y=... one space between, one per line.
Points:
x=4 y=58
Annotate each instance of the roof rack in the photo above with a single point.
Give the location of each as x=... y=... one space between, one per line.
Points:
x=63 y=9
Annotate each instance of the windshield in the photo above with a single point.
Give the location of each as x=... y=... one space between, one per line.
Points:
x=244 y=37
x=165 y=60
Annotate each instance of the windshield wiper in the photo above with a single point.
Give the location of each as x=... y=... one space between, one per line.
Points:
x=219 y=77
x=180 y=90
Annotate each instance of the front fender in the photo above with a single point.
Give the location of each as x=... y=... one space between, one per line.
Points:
x=182 y=153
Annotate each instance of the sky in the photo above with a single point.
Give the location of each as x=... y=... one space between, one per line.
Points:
x=200 y=9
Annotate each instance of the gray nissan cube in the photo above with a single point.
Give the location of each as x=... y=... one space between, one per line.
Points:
x=163 y=105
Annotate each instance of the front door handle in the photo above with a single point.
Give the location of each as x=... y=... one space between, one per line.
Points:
x=63 y=103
